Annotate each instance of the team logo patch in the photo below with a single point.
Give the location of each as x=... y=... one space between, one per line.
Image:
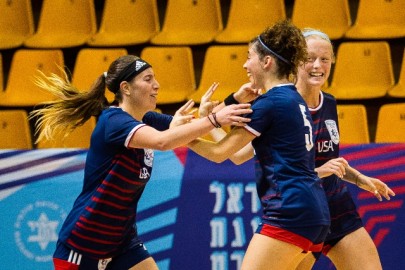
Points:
x=333 y=131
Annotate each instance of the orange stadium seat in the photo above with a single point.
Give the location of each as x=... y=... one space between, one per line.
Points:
x=174 y=70
x=126 y=23
x=25 y=66
x=15 y=130
x=91 y=63
x=190 y=22
x=16 y=23
x=362 y=70
x=222 y=64
x=391 y=124
x=399 y=89
x=79 y=138
x=63 y=24
x=378 y=19
x=304 y=10
x=258 y=13
x=353 y=126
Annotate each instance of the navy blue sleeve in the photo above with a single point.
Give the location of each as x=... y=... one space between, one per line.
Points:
x=157 y=120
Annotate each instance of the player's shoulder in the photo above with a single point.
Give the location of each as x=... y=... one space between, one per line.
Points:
x=328 y=98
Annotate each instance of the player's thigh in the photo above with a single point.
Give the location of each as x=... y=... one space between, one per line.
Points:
x=147 y=264
x=265 y=253
x=307 y=263
x=356 y=248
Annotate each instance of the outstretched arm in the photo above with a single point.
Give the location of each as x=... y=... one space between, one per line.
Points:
x=341 y=168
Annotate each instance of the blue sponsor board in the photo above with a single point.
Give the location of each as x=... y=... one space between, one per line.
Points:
x=194 y=214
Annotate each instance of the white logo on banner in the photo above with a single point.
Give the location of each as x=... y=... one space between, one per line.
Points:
x=36 y=227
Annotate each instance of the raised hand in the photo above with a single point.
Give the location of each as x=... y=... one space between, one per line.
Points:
x=184 y=114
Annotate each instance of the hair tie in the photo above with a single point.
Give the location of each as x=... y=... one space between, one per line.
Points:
x=316 y=33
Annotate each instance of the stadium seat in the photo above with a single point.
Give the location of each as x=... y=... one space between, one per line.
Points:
x=15 y=130
x=91 y=63
x=378 y=19
x=20 y=89
x=125 y=23
x=353 y=126
x=222 y=64
x=398 y=90
x=79 y=138
x=1 y=74
x=16 y=23
x=190 y=22
x=304 y=10
x=248 y=18
x=391 y=124
x=174 y=70
x=362 y=70
x=64 y=24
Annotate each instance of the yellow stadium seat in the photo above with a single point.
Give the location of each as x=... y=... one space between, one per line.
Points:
x=1 y=74
x=378 y=19
x=304 y=10
x=63 y=24
x=91 y=63
x=79 y=138
x=174 y=70
x=126 y=23
x=15 y=130
x=248 y=18
x=362 y=70
x=222 y=64
x=190 y=23
x=399 y=89
x=16 y=23
x=25 y=66
x=391 y=124
x=353 y=125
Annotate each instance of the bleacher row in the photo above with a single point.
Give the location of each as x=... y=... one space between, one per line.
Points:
x=363 y=69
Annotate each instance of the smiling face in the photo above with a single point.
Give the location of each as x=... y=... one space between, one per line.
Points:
x=141 y=92
x=317 y=69
x=254 y=68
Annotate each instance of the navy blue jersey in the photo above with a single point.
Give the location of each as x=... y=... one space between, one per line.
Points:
x=344 y=216
x=102 y=220
x=290 y=191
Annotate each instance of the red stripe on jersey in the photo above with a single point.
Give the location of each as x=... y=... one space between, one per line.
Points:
x=98 y=200
x=109 y=227
x=123 y=178
x=109 y=184
x=88 y=250
x=125 y=165
x=112 y=194
x=105 y=232
x=91 y=210
x=96 y=240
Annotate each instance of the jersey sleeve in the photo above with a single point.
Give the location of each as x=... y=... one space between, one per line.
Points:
x=120 y=128
x=157 y=120
x=261 y=117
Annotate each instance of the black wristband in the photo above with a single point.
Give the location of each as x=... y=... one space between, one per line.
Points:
x=229 y=100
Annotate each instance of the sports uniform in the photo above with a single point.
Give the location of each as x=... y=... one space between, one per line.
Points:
x=294 y=204
x=101 y=226
x=344 y=216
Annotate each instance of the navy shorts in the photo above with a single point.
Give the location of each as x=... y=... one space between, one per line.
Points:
x=343 y=213
x=65 y=258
